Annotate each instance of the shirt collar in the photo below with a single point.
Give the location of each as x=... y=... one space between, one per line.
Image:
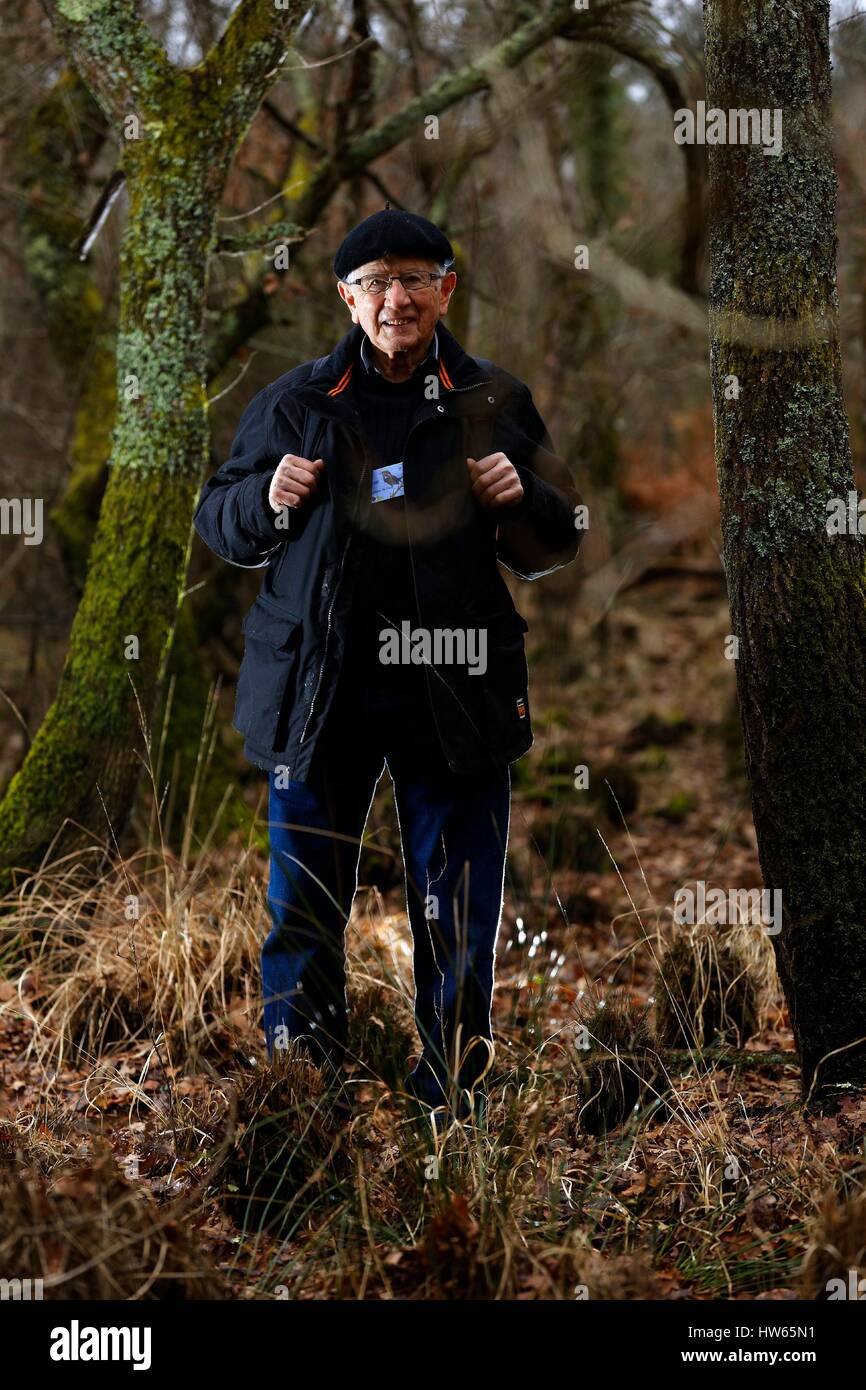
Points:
x=370 y=364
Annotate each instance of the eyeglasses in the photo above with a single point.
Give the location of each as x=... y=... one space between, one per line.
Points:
x=412 y=282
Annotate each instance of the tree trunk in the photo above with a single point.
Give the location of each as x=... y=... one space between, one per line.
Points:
x=782 y=451
x=180 y=128
x=87 y=752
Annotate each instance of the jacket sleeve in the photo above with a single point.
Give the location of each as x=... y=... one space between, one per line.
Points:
x=233 y=516
x=537 y=534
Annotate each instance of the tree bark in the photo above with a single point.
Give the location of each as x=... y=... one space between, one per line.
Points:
x=782 y=451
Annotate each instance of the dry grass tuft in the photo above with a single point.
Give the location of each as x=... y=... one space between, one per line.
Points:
x=90 y=1235
x=127 y=990
x=381 y=1029
x=837 y=1248
x=713 y=986
x=151 y=951
x=617 y=1070
x=469 y=1249
x=289 y=1142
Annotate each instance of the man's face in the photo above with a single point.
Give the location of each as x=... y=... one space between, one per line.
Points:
x=397 y=322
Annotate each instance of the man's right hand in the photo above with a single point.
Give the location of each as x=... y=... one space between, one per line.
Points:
x=294 y=481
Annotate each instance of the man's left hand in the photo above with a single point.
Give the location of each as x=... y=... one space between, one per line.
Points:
x=495 y=481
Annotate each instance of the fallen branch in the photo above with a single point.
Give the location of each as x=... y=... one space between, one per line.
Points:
x=739 y=1058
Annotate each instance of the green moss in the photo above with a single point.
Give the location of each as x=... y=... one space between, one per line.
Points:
x=86 y=752
x=653 y=759
x=75 y=516
x=561 y=759
x=570 y=841
x=80 y=10
x=678 y=808
x=556 y=716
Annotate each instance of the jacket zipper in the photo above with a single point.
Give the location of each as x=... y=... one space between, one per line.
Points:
x=333 y=600
x=474 y=387
x=316 y=439
x=325 y=648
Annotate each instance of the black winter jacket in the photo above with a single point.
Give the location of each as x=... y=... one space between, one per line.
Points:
x=295 y=632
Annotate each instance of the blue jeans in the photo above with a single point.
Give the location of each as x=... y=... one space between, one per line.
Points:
x=453 y=831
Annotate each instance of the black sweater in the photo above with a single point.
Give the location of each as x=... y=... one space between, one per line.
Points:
x=385 y=590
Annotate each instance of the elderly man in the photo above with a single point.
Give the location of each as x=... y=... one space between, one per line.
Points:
x=378 y=487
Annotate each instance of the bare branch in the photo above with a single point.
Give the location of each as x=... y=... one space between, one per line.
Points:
x=352 y=160
x=259 y=237
x=441 y=95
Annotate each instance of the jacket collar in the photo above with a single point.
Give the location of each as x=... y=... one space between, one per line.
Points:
x=332 y=375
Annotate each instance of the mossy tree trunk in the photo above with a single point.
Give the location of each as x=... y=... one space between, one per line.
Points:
x=179 y=129
x=782 y=448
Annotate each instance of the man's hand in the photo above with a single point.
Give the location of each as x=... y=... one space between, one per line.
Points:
x=495 y=481
x=294 y=481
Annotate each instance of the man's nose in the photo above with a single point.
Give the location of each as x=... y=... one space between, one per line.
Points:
x=397 y=298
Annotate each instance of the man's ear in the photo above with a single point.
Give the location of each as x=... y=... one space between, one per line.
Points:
x=347 y=294
x=447 y=287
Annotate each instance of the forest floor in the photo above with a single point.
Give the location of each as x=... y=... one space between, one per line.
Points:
x=147 y=1149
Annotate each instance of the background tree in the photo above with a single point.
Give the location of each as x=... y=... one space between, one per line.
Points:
x=782 y=450
x=181 y=128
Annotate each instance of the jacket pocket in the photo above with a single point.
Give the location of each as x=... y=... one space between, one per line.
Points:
x=272 y=641
x=506 y=683
x=490 y=709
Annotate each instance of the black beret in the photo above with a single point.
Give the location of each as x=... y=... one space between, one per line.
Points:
x=395 y=233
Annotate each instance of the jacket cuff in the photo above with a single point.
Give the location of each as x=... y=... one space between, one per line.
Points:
x=527 y=501
x=258 y=517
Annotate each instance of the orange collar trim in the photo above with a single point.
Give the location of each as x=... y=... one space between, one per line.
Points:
x=343 y=382
x=347 y=377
